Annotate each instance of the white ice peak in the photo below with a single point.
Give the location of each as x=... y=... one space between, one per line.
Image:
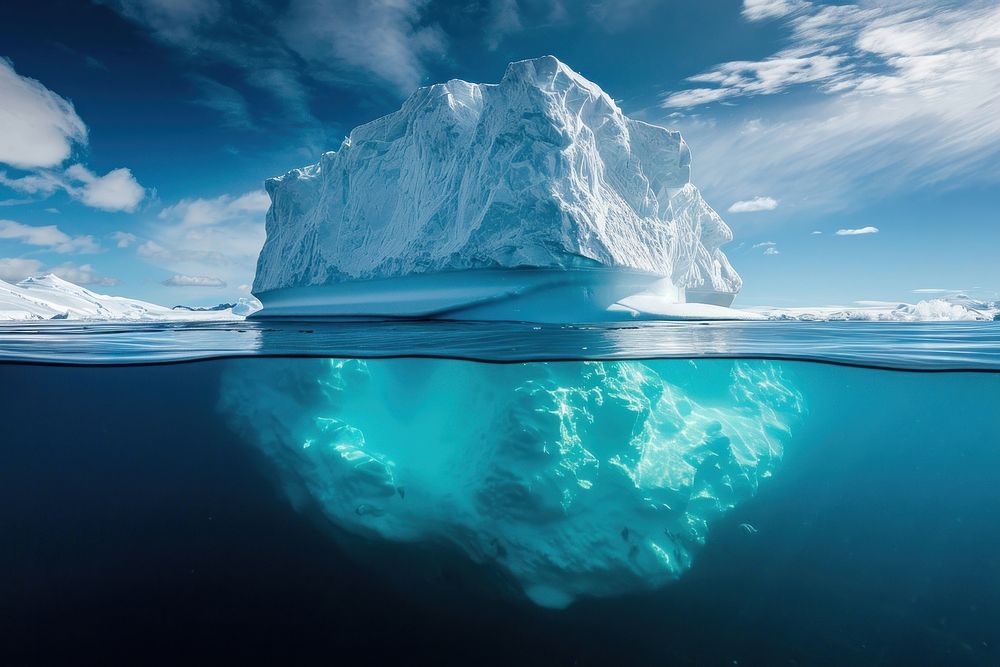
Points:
x=542 y=170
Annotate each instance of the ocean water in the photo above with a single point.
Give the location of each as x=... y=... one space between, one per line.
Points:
x=690 y=494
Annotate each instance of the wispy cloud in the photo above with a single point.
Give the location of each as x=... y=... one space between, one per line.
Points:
x=84 y=274
x=288 y=49
x=764 y=77
x=770 y=247
x=193 y=281
x=904 y=89
x=123 y=239
x=13 y=269
x=219 y=237
x=857 y=232
x=47 y=237
x=753 y=205
x=230 y=103
x=759 y=10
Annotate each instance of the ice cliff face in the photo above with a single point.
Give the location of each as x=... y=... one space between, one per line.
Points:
x=574 y=478
x=540 y=170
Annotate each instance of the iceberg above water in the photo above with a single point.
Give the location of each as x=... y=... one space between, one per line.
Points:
x=496 y=201
x=573 y=478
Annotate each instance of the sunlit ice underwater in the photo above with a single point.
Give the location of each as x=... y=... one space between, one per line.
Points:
x=681 y=510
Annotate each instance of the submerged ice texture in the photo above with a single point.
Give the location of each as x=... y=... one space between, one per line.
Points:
x=575 y=478
x=540 y=171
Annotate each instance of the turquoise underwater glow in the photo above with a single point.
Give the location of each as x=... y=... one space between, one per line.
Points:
x=574 y=478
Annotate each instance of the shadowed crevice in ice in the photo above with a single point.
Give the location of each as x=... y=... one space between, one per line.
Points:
x=583 y=478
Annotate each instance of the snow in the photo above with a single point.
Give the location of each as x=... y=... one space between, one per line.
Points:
x=957 y=307
x=49 y=297
x=542 y=170
x=574 y=478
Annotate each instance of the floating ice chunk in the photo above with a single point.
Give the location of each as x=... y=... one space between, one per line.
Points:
x=575 y=478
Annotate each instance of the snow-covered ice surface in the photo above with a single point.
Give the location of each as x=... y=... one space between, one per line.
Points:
x=576 y=479
x=541 y=171
x=954 y=308
x=49 y=297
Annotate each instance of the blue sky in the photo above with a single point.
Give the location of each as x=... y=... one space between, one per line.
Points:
x=135 y=134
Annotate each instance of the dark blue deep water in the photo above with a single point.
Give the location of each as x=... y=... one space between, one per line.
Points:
x=142 y=522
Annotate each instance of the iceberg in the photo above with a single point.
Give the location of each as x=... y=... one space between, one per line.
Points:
x=573 y=478
x=532 y=199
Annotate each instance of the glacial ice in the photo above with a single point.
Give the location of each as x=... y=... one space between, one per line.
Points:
x=574 y=478
x=494 y=201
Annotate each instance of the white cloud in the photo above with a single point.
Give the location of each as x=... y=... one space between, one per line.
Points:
x=903 y=89
x=693 y=97
x=14 y=269
x=84 y=274
x=123 y=239
x=218 y=237
x=199 y=212
x=857 y=232
x=193 y=281
x=764 y=244
x=753 y=205
x=41 y=183
x=116 y=190
x=771 y=251
x=816 y=233
x=765 y=77
x=49 y=237
x=37 y=127
x=759 y=10
x=38 y=130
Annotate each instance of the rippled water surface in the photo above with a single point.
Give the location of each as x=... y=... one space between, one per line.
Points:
x=901 y=345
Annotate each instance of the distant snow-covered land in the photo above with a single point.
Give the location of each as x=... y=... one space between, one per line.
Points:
x=49 y=297
x=956 y=307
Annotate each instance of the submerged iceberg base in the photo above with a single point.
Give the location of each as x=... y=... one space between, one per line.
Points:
x=575 y=478
x=532 y=295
